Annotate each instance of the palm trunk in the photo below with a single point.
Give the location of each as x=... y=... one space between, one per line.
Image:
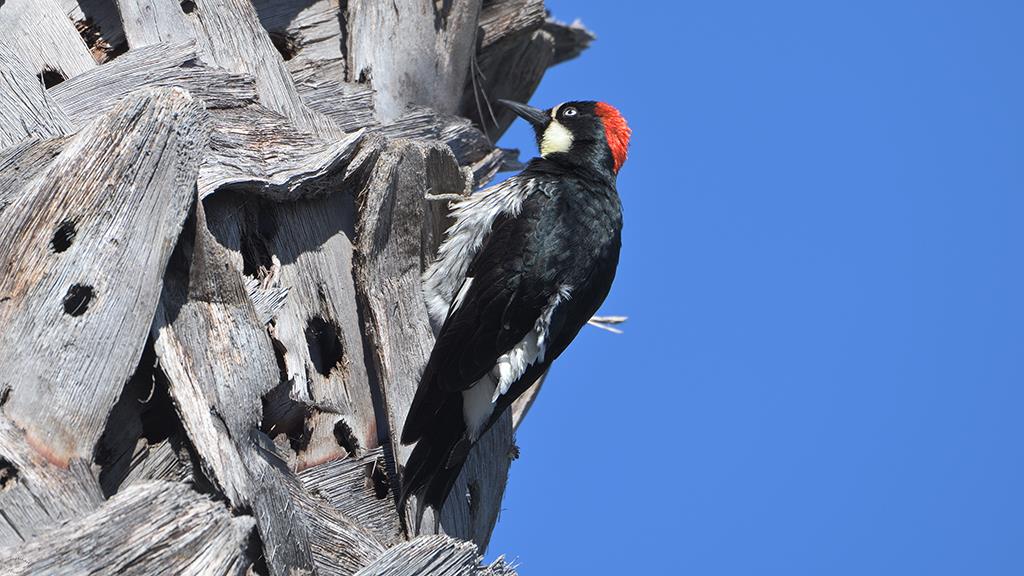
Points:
x=213 y=219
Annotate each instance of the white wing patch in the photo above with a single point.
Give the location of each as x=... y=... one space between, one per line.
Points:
x=474 y=217
x=478 y=400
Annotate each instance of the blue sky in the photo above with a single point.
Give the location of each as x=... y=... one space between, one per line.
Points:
x=823 y=372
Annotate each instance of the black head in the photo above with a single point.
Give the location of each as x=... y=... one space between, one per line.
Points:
x=592 y=134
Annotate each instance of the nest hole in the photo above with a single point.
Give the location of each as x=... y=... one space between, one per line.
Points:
x=345 y=437
x=286 y=45
x=8 y=473
x=63 y=236
x=325 y=349
x=50 y=77
x=188 y=6
x=377 y=476
x=77 y=300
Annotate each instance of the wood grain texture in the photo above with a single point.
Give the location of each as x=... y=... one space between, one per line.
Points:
x=361 y=490
x=308 y=34
x=411 y=52
x=76 y=315
x=20 y=163
x=170 y=65
x=260 y=151
x=150 y=529
x=26 y=111
x=436 y=555
x=36 y=494
x=204 y=323
x=40 y=32
x=228 y=34
x=510 y=69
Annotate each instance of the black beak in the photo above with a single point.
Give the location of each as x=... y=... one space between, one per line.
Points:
x=538 y=118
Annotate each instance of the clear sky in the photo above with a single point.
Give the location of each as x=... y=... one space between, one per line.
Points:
x=823 y=371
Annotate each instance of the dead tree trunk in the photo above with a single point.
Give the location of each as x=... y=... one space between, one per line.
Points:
x=213 y=221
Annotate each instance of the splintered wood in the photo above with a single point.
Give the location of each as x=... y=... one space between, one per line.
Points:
x=213 y=220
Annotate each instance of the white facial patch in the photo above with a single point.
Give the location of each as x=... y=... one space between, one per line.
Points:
x=557 y=138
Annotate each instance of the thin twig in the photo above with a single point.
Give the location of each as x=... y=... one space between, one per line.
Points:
x=608 y=323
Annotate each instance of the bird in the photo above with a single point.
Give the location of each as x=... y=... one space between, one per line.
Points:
x=521 y=270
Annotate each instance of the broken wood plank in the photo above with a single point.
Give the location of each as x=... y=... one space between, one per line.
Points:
x=150 y=529
x=501 y=19
x=99 y=23
x=228 y=35
x=361 y=490
x=26 y=111
x=570 y=39
x=260 y=151
x=203 y=324
x=307 y=34
x=40 y=32
x=438 y=555
x=425 y=59
x=83 y=250
x=324 y=405
x=93 y=93
x=510 y=69
x=36 y=495
x=20 y=163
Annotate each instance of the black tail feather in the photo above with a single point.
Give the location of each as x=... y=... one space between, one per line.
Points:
x=436 y=461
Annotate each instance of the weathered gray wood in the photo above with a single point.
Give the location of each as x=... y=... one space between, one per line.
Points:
x=20 y=163
x=509 y=69
x=307 y=33
x=523 y=404
x=40 y=32
x=349 y=105
x=324 y=406
x=339 y=545
x=203 y=324
x=229 y=35
x=83 y=250
x=435 y=555
x=570 y=39
x=151 y=529
x=93 y=93
x=161 y=461
x=424 y=58
x=26 y=111
x=36 y=494
x=361 y=490
x=501 y=19
x=260 y=151
x=100 y=23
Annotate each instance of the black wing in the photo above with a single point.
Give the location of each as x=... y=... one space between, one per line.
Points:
x=514 y=276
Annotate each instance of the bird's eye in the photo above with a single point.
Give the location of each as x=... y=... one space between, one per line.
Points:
x=569 y=111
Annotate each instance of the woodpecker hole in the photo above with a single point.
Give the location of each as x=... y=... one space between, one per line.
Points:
x=188 y=6
x=260 y=229
x=345 y=437
x=285 y=44
x=63 y=236
x=8 y=473
x=473 y=497
x=325 y=350
x=76 y=301
x=377 y=477
x=50 y=77
x=282 y=415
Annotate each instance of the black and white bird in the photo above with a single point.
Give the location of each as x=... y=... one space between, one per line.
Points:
x=520 y=272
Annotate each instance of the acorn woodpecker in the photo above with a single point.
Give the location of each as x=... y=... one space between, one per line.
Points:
x=523 y=268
